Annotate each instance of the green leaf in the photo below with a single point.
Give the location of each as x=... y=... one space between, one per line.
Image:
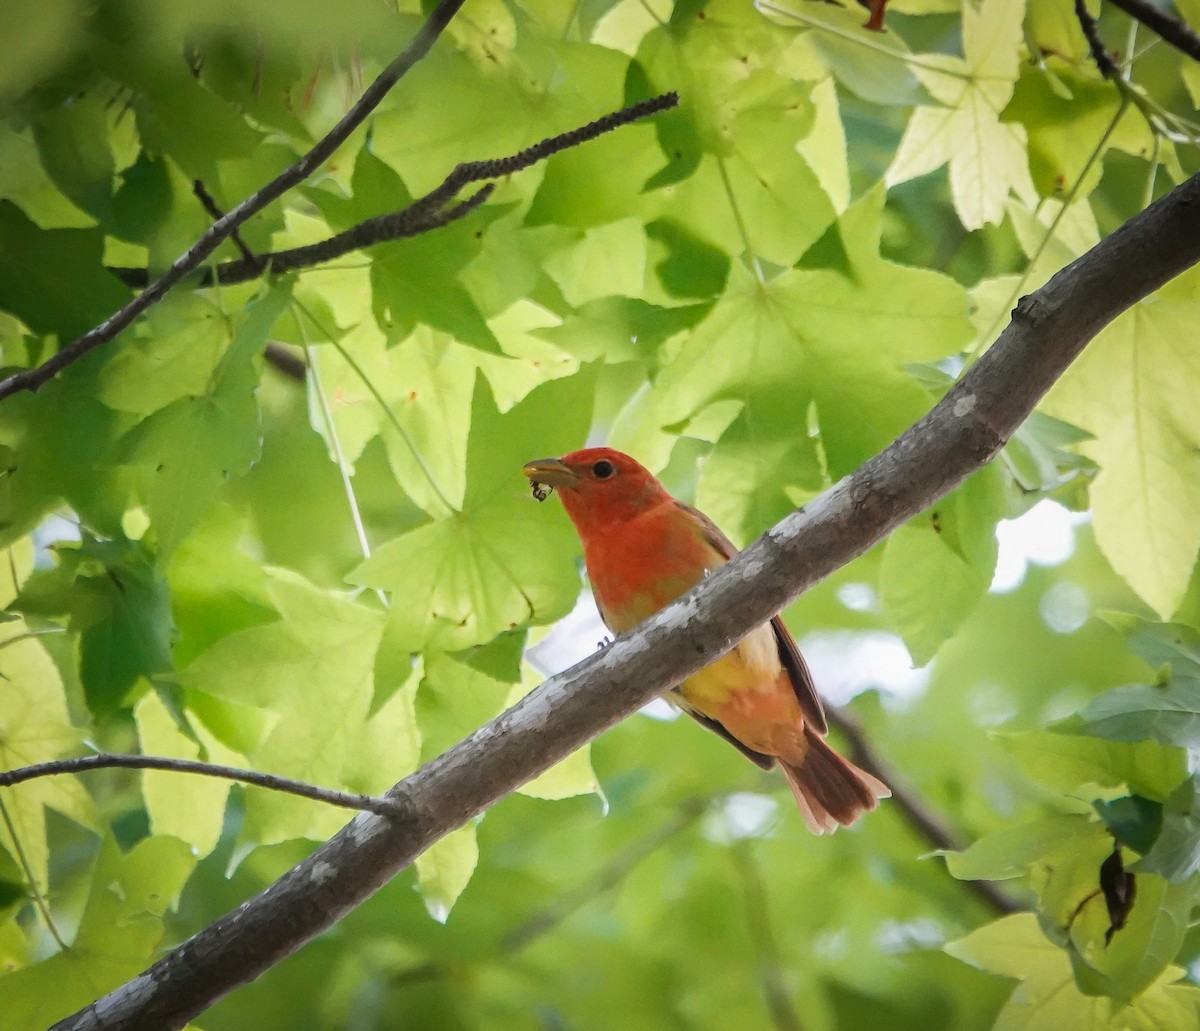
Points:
x=1068 y=761
x=322 y=648
x=118 y=604
x=175 y=114
x=181 y=805
x=73 y=143
x=50 y=459
x=987 y=157
x=937 y=566
x=444 y=870
x=1048 y=999
x=454 y=700
x=1133 y=389
x=121 y=928
x=876 y=69
x=1014 y=850
x=169 y=355
x=1133 y=820
x=39 y=267
x=143 y=201
x=188 y=449
x=462 y=580
x=35 y=726
x=1176 y=853
x=1169 y=714
x=832 y=337
x=608 y=260
x=747 y=483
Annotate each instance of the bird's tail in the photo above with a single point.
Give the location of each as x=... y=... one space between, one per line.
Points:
x=831 y=791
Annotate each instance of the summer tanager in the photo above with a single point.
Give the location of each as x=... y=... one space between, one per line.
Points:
x=644 y=549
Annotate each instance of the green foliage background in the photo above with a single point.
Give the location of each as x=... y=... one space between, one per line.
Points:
x=753 y=294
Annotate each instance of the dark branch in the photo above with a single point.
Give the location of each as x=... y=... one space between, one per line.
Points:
x=284 y=360
x=210 y=205
x=1172 y=30
x=424 y=214
x=913 y=808
x=222 y=228
x=109 y=761
x=1108 y=67
x=964 y=431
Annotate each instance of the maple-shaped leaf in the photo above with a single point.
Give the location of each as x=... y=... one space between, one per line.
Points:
x=987 y=157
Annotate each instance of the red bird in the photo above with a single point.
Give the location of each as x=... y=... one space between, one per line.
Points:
x=643 y=550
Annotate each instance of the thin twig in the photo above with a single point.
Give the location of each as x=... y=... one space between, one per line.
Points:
x=285 y=361
x=214 y=211
x=219 y=231
x=384 y=407
x=109 y=761
x=1108 y=67
x=607 y=878
x=758 y=921
x=35 y=892
x=422 y=215
x=1172 y=30
x=914 y=809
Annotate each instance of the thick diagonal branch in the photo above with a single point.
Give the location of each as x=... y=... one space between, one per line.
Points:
x=222 y=228
x=960 y=434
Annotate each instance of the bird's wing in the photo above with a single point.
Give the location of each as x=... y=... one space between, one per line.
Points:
x=675 y=697
x=789 y=654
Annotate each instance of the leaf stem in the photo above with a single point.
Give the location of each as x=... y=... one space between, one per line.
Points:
x=1003 y=311
x=379 y=399
x=741 y=224
x=35 y=892
x=913 y=60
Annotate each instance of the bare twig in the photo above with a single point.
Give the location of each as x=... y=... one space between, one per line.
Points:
x=109 y=761
x=607 y=878
x=961 y=433
x=35 y=892
x=762 y=934
x=1172 y=30
x=220 y=230
x=214 y=211
x=1108 y=67
x=424 y=214
x=286 y=361
x=914 y=809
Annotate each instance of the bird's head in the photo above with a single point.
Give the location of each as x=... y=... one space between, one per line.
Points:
x=598 y=485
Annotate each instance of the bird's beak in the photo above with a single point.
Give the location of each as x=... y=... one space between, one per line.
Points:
x=552 y=472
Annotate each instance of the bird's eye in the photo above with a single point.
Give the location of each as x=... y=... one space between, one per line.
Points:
x=603 y=469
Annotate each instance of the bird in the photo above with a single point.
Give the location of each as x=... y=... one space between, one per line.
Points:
x=643 y=549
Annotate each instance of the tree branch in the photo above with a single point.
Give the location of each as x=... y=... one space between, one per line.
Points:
x=613 y=873
x=1172 y=30
x=222 y=228
x=960 y=434
x=422 y=215
x=210 y=205
x=109 y=761
x=913 y=808
x=1108 y=67
x=762 y=934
